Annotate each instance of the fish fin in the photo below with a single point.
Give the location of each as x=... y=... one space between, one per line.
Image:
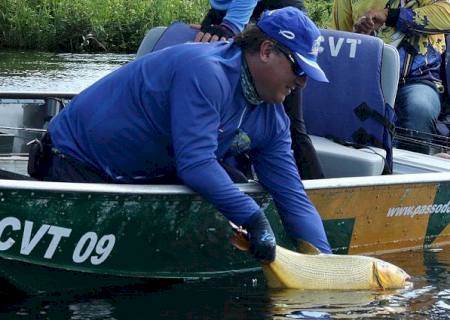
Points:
x=376 y=277
x=272 y=279
x=306 y=247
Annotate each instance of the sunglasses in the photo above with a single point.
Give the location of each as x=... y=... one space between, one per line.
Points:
x=288 y=54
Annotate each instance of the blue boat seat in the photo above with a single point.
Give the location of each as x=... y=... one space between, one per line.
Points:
x=149 y=41
x=356 y=107
x=162 y=37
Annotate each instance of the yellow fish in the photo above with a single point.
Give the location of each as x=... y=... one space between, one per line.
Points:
x=293 y=270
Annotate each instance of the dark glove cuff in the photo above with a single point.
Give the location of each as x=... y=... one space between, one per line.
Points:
x=253 y=218
x=258 y=225
x=392 y=18
x=218 y=30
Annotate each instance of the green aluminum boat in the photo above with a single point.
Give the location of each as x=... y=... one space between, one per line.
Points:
x=73 y=236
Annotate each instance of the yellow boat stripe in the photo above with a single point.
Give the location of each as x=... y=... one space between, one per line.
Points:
x=382 y=214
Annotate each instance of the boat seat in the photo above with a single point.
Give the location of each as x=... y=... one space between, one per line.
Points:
x=161 y=37
x=8 y=175
x=342 y=161
x=6 y=142
x=357 y=105
x=149 y=41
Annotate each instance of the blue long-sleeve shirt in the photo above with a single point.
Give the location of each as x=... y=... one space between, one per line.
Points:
x=177 y=110
x=238 y=12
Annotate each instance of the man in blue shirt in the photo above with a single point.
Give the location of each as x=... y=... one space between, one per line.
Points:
x=176 y=112
x=226 y=18
x=223 y=21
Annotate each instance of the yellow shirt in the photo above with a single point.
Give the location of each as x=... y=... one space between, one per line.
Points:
x=424 y=23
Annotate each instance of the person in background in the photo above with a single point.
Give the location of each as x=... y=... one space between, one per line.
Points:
x=226 y=18
x=172 y=115
x=223 y=20
x=417 y=29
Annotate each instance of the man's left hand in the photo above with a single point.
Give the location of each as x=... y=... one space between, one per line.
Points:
x=371 y=21
x=213 y=33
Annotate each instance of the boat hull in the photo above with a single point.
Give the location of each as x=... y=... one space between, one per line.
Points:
x=385 y=218
x=135 y=233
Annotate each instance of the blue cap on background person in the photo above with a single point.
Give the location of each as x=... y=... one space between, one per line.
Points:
x=292 y=28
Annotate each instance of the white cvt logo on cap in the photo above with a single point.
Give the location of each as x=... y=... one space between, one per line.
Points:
x=316 y=46
x=287 y=34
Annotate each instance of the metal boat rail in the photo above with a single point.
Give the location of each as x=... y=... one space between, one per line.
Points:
x=25 y=115
x=253 y=187
x=36 y=95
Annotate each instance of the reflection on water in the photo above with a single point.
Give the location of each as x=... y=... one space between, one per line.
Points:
x=245 y=297
x=42 y=71
x=336 y=304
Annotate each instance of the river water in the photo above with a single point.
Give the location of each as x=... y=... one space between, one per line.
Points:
x=42 y=71
x=246 y=297
x=237 y=297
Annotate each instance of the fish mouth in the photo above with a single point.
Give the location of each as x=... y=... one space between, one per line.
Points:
x=394 y=282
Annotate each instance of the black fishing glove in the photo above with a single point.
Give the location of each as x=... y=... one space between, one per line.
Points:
x=213 y=17
x=262 y=239
x=219 y=30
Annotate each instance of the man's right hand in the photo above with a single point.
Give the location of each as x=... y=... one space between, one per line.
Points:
x=371 y=21
x=262 y=239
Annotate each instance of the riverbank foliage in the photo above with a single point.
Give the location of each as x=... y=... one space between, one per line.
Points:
x=101 y=25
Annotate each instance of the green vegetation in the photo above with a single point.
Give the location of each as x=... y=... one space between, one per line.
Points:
x=70 y=25
x=96 y=25
x=319 y=11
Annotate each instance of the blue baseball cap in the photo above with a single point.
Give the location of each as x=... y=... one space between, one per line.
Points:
x=290 y=27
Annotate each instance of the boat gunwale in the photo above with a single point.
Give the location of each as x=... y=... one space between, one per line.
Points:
x=252 y=187
x=36 y=95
